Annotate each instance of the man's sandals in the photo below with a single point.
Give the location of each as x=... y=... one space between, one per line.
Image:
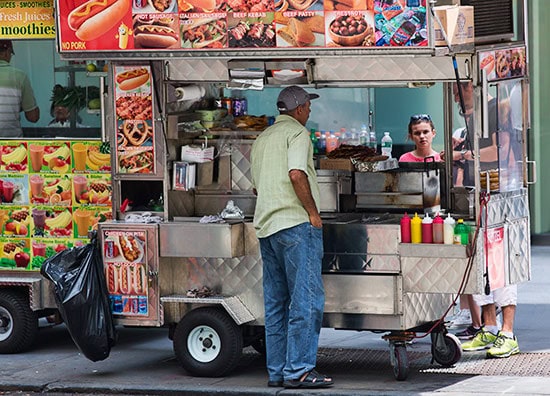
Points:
x=311 y=379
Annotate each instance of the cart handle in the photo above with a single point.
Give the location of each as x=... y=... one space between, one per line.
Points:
x=533 y=171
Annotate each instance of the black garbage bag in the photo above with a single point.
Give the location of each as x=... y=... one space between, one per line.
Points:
x=82 y=298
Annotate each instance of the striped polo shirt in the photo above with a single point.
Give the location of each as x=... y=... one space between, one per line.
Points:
x=280 y=148
x=16 y=95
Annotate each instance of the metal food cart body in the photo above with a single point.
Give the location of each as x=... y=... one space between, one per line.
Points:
x=396 y=287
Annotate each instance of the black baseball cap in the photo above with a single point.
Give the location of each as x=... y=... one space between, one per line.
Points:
x=292 y=97
x=6 y=44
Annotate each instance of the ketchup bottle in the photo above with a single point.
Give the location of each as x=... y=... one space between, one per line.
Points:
x=405 y=228
x=416 y=229
x=427 y=229
x=438 y=229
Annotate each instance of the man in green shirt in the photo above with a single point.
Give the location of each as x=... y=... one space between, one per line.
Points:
x=16 y=95
x=289 y=229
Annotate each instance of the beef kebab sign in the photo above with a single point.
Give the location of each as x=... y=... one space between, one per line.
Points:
x=226 y=25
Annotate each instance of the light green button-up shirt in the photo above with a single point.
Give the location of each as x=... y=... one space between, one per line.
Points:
x=284 y=146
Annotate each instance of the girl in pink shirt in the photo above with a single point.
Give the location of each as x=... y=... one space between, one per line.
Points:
x=421 y=132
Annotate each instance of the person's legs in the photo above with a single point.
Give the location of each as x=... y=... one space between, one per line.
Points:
x=276 y=301
x=506 y=344
x=303 y=260
x=475 y=311
x=485 y=337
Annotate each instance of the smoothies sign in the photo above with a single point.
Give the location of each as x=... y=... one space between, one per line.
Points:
x=27 y=20
x=52 y=194
x=216 y=25
x=124 y=258
x=135 y=148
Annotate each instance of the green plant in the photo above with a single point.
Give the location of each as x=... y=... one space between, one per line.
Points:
x=73 y=98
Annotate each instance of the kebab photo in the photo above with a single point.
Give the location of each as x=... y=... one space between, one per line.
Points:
x=252 y=32
x=204 y=33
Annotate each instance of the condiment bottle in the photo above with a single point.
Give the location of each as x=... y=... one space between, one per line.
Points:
x=448 y=230
x=405 y=228
x=416 y=229
x=427 y=229
x=438 y=226
x=461 y=233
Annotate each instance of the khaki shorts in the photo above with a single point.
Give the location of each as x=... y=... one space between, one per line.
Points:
x=507 y=295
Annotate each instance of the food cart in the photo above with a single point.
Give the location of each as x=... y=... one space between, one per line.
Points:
x=203 y=280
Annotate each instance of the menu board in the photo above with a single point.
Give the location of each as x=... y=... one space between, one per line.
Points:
x=216 y=25
x=134 y=114
x=52 y=194
x=125 y=258
x=504 y=63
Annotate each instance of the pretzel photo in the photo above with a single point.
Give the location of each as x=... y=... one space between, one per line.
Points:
x=136 y=132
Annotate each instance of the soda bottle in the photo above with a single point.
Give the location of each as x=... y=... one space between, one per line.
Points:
x=403 y=34
x=387 y=144
x=372 y=140
x=313 y=138
x=427 y=229
x=461 y=234
x=405 y=228
x=438 y=226
x=448 y=230
x=364 y=136
x=332 y=142
x=416 y=229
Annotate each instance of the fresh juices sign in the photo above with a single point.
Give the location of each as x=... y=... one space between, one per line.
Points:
x=52 y=194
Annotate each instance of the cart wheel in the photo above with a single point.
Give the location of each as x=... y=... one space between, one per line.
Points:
x=18 y=323
x=399 y=361
x=207 y=342
x=447 y=352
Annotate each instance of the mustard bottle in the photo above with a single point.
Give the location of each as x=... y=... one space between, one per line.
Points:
x=416 y=229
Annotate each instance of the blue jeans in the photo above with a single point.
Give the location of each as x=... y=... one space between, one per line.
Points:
x=294 y=299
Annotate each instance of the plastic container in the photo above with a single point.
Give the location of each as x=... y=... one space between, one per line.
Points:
x=427 y=229
x=416 y=229
x=448 y=230
x=373 y=143
x=405 y=228
x=438 y=232
x=461 y=234
x=387 y=144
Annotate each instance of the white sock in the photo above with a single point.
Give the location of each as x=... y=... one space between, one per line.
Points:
x=508 y=334
x=492 y=329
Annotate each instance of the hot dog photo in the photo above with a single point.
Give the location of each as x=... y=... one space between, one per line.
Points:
x=128 y=80
x=94 y=24
x=156 y=31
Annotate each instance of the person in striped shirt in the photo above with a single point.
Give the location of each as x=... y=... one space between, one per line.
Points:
x=16 y=95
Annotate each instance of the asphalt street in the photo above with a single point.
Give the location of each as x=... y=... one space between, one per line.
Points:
x=143 y=362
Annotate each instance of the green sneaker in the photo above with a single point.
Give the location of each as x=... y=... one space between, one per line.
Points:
x=503 y=347
x=482 y=340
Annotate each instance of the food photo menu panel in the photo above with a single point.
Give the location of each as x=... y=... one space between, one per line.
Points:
x=52 y=194
x=195 y=25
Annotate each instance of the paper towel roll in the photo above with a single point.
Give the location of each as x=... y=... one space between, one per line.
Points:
x=190 y=92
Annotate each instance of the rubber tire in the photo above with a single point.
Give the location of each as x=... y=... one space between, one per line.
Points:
x=19 y=333
x=225 y=329
x=401 y=368
x=453 y=353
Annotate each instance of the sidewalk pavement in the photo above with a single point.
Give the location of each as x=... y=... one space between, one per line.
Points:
x=143 y=362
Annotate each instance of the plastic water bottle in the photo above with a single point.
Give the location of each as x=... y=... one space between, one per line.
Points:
x=405 y=228
x=354 y=137
x=427 y=229
x=372 y=140
x=448 y=230
x=416 y=229
x=438 y=225
x=364 y=136
x=387 y=144
x=461 y=233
